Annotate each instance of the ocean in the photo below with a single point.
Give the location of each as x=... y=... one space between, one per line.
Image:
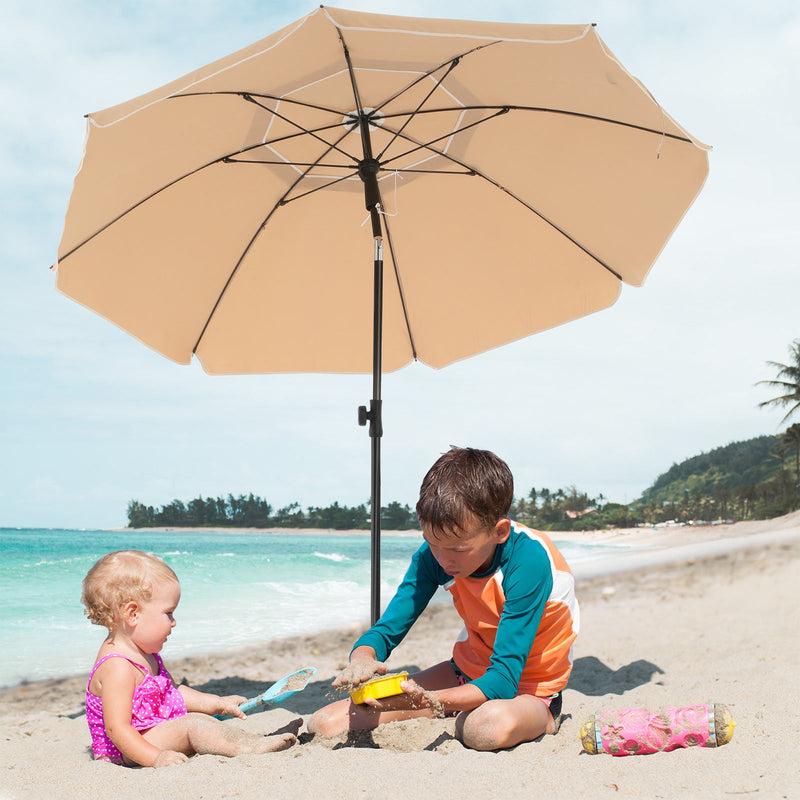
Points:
x=236 y=589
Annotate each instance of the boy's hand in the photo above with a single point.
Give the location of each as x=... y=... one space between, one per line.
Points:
x=418 y=696
x=359 y=671
x=412 y=697
x=229 y=706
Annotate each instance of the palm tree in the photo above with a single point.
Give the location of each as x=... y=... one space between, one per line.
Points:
x=780 y=452
x=787 y=381
x=791 y=438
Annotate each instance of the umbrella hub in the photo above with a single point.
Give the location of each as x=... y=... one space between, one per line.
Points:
x=352 y=119
x=368 y=168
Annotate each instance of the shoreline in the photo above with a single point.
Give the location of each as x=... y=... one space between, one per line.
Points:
x=663 y=535
x=641 y=534
x=271 y=530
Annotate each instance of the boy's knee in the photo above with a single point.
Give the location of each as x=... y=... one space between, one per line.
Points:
x=487 y=727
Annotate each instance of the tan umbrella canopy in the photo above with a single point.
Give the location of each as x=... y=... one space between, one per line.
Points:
x=513 y=176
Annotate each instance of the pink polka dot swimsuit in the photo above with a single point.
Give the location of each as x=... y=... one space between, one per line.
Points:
x=155 y=700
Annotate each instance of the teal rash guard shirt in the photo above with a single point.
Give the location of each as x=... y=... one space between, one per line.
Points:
x=522 y=568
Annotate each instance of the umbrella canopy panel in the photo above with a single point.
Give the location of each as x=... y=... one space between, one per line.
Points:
x=524 y=173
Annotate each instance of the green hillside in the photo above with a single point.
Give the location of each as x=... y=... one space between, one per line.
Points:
x=754 y=479
x=736 y=465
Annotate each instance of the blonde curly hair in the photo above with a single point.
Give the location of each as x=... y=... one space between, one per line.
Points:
x=119 y=577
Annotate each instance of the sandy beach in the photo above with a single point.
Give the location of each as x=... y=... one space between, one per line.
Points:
x=701 y=615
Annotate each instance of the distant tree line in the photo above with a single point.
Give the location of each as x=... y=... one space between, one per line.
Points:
x=755 y=479
x=570 y=509
x=250 y=511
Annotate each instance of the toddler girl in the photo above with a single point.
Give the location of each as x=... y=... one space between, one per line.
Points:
x=136 y=714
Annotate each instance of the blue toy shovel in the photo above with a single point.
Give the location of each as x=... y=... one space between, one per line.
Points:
x=281 y=690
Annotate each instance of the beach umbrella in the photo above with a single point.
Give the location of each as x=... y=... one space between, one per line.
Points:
x=512 y=176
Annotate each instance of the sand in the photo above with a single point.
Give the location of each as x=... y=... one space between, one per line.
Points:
x=704 y=614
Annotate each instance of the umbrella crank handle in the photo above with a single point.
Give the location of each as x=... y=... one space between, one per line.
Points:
x=373 y=416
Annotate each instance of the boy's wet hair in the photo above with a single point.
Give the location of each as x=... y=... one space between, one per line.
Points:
x=119 y=577
x=463 y=483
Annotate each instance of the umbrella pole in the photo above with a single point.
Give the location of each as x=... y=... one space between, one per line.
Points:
x=375 y=418
x=376 y=430
x=368 y=171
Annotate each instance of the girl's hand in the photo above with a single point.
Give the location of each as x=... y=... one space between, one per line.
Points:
x=212 y=704
x=229 y=706
x=170 y=758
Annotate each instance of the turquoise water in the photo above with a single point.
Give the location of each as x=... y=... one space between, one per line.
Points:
x=236 y=589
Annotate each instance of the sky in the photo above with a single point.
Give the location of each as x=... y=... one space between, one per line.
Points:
x=91 y=419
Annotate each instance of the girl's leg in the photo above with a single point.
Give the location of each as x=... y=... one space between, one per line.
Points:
x=498 y=724
x=344 y=715
x=202 y=734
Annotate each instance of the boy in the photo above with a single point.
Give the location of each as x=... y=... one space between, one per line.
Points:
x=516 y=596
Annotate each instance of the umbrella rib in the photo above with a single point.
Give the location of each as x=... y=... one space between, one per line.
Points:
x=452 y=62
x=282 y=201
x=284 y=163
x=553 y=225
x=230 y=277
x=437 y=83
x=472 y=171
x=262 y=95
x=138 y=203
x=251 y=97
x=400 y=287
x=227 y=158
x=414 y=171
x=399 y=134
x=301 y=130
x=310 y=132
x=546 y=110
x=366 y=147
